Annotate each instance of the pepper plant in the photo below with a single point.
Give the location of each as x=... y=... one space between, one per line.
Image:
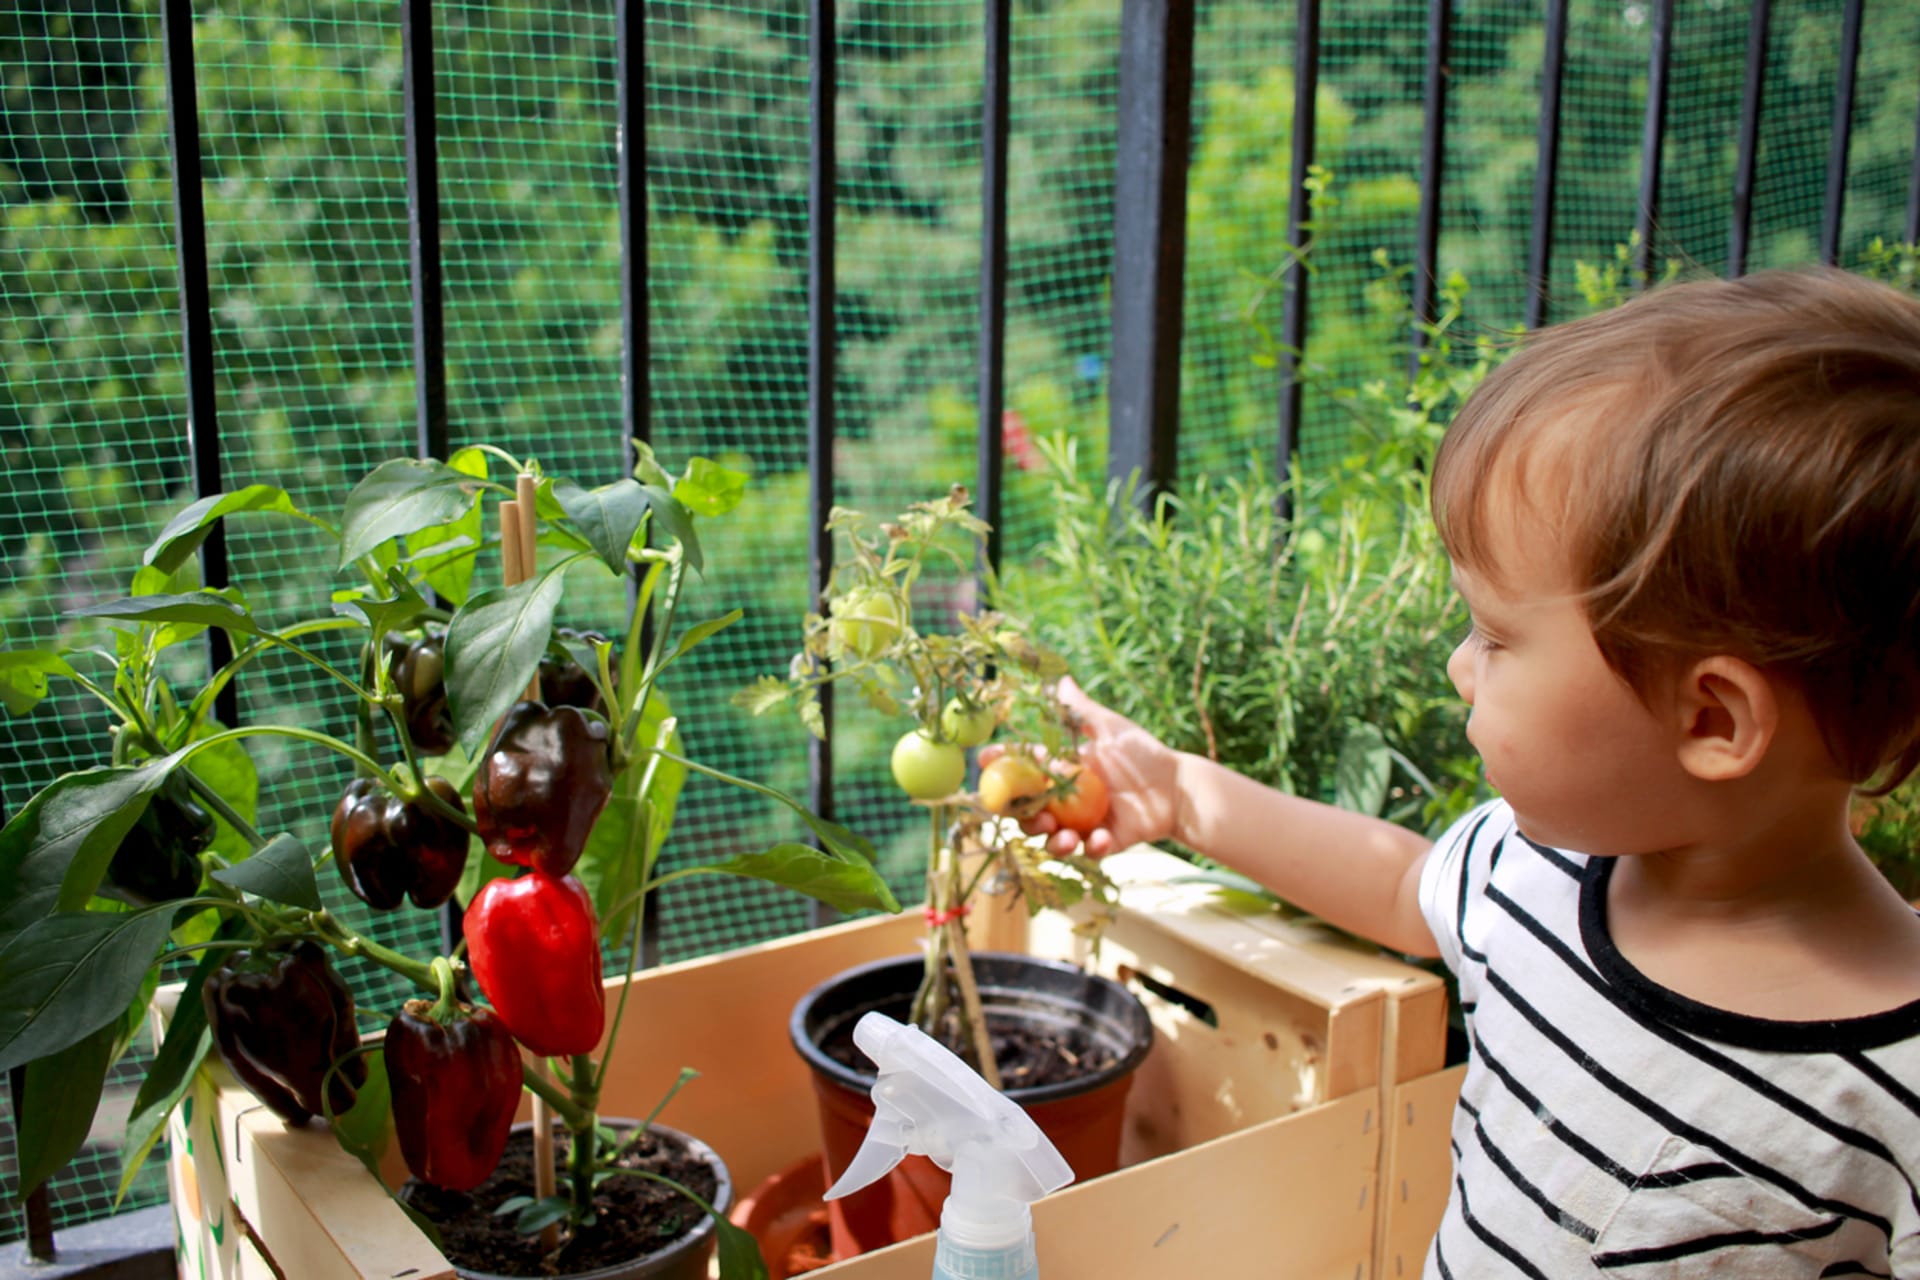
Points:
x=110 y=873
x=958 y=689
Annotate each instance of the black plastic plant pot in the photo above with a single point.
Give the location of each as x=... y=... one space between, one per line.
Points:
x=1083 y=1117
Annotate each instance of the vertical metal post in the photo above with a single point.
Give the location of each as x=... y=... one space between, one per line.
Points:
x=423 y=228
x=636 y=381
x=1653 y=139
x=1546 y=175
x=196 y=316
x=1913 y=190
x=1842 y=134
x=1751 y=93
x=821 y=340
x=1433 y=158
x=1149 y=240
x=1293 y=310
x=994 y=110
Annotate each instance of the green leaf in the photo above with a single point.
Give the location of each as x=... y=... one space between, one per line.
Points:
x=184 y=533
x=1362 y=771
x=762 y=696
x=646 y=467
x=402 y=496
x=193 y=608
x=54 y=852
x=739 y=1253
x=64 y=977
x=182 y=1050
x=677 y=522
x=694 y=636
x=228 y=768
x=280 y=871
x=844 y=884
x=493 y=650
x=62 y=1093
x=365 y=1130
x=541 y=1214
x=483 y=867
x=709 y=489
x=381 y=614
x=607 y=517
x=610 y=865
x=444 y=553
x=23 y=677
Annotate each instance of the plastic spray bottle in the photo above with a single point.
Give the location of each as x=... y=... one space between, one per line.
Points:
x=927 y=1102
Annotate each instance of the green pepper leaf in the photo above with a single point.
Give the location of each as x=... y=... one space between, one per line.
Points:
x=493 y=649
x=184 y=533
x=381 y=614
x=611 y=865
x=444 y=554
x=697 y=635
x=709 y=489
x=227 y=767
x=402 y=496
x=606 y=517
x=542 y=1213
x=23 y=677
x=365 y=1129
x=280 y=871
x=65 y=976
x=844 y=884
x=182 y=1050
x=62 y=1094
x=739 y=1253
x=56 y=849
x=192 y=608
x=677 y=521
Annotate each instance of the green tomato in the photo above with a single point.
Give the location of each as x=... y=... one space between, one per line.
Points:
x=864 y=622
x=928 y=770
x=967 y=724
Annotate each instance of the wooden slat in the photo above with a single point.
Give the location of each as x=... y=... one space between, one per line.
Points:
x=1417 y=1169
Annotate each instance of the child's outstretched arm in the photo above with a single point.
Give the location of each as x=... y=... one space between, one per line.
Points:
x=1358 y=872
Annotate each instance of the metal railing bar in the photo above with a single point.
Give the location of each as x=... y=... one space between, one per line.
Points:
x=1433 y=158
x=821 y=335
x=1913 y=189
x=1653 y=140
x=1752 y=92
x=1293 y=307
x=1149 y=241
x=995 y=109
x=1842 y=141
x=636 y=382
x=196 y=316
x=423 y=228
x=1546 y=175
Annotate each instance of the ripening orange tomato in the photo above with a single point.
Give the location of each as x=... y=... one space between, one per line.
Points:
x=1079 y=799
x=1014 y=786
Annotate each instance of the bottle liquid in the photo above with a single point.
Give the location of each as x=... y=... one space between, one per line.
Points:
x=928 y=1102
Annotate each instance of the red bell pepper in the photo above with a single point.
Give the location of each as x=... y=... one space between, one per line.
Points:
x=534 y=945
x=455 y=1086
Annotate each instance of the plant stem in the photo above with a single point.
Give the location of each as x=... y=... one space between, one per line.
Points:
x=351 y=943
x=586 y=1136
x=554 y=1096
x=216 y=802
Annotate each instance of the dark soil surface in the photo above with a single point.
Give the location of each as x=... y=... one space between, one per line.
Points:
x=635 y=1215
x=1029 y=1055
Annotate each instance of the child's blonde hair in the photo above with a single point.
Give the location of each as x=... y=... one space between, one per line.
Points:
x=1728 y=466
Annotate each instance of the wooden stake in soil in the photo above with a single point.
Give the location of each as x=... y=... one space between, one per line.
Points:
x=517 y=565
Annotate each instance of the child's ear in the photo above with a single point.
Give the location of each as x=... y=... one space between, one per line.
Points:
x=1727 y=715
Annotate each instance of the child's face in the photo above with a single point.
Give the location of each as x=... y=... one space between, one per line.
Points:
x=1585 y=764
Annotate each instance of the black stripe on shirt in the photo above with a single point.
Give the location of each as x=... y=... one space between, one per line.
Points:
x=1709 y=1244
x=1487 y=1235
x=1647 y=1106
x=1466 y=874
x=1558 y=860
x=1879 y=1075
x=1701 y=1051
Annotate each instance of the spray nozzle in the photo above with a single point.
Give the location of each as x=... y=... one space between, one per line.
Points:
x=927 y=1102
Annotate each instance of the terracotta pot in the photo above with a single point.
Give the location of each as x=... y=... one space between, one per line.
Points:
x=1083 y=1118
x=788 y=1218
x=685 y=1259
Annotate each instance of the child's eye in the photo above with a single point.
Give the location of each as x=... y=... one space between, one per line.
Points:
x=1481 y=640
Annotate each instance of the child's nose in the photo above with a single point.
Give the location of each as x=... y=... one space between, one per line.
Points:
x=1460 y=670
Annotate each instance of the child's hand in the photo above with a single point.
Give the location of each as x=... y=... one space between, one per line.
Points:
x=1141 y=774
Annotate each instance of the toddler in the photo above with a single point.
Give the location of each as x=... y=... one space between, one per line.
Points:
x=1688 y=534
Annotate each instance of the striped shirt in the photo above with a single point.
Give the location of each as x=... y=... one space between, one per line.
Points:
x=1608 y=1126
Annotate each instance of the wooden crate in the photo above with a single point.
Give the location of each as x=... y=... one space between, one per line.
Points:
x=1261 y=1130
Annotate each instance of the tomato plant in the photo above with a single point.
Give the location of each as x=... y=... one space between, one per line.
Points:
x=864 y=623
x=968 y=724
x=925 y=769
x=1078 y=800
x=1014 y=786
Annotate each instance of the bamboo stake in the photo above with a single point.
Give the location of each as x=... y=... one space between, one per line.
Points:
x=516 y=554
x=970 y=1006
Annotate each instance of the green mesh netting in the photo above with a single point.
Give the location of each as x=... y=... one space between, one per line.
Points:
x=303 y=125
